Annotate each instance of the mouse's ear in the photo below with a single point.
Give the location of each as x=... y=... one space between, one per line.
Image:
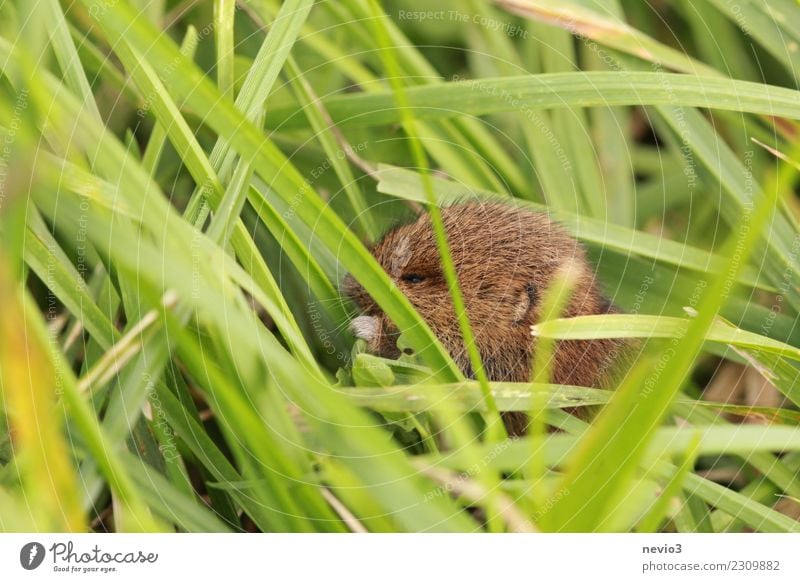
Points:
x=524 y=304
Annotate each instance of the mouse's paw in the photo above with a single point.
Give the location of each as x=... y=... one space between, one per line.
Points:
x=365 y=327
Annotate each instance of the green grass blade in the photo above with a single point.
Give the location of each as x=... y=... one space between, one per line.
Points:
x=642 y=401
x=611 y=31
x=272 y=165
x=224 y=12
x=553 y=90
x=496 y=428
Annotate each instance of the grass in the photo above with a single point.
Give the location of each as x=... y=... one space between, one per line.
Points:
x=184 y=184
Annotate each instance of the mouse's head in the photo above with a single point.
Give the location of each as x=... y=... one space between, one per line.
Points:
x=505 y=258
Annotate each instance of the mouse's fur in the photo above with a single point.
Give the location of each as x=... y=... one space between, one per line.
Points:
x=505 y=258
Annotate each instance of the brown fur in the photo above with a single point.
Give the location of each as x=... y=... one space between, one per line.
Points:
x=505 y=258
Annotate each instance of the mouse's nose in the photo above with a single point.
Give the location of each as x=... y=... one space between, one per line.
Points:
x=365 y=327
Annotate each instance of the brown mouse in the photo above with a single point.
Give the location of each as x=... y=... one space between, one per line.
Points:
x=505 y=258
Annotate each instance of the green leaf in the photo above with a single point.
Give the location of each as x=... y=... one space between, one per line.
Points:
x=553 y=90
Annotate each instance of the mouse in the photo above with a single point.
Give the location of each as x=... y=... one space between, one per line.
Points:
x=505 y=258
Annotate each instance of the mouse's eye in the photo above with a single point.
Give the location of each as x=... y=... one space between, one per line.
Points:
x=413 y=278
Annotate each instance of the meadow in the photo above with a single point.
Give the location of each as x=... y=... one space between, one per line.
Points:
x=185 y=183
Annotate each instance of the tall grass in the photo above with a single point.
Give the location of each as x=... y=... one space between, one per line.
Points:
x=184 y=184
